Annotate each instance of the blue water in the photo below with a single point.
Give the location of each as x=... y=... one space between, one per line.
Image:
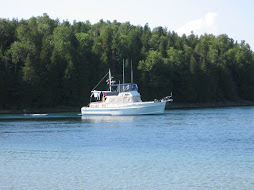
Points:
x=181 y=149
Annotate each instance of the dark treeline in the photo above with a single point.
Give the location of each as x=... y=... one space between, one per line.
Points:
x=47 y=63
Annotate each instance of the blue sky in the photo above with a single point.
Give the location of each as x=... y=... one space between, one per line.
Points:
x=231 y=17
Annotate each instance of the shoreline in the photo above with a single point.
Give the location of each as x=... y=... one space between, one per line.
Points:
x=169 y=106
x=40 y=110
x=173 y=105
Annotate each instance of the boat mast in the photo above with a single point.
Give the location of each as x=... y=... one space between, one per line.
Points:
x=119 y=89
x=109 y=76
x=123 y=71
x=131 y=73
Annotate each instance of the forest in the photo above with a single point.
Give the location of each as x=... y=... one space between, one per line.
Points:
x=45 y=63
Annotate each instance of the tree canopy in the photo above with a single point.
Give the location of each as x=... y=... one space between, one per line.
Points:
x=48 y=63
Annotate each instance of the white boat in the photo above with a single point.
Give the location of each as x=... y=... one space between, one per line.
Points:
x=122 y=99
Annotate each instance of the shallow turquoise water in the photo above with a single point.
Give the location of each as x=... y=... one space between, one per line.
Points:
x=181 y=149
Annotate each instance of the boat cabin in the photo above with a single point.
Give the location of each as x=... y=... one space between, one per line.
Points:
x=114 y=91
x=127 y=87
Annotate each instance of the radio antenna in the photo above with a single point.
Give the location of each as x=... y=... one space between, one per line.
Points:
x=131 y=73
x=123 y=71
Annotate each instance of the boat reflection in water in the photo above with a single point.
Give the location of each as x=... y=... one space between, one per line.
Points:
x=108 y=119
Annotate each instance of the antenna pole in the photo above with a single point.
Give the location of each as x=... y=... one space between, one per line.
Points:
x=119 y=89
x=109 y=73
x=131 y=73
x=123 y=71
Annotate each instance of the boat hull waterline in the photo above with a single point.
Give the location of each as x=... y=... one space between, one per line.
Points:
x=140 y=108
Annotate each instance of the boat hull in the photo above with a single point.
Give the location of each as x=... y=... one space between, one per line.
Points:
x=140 y=108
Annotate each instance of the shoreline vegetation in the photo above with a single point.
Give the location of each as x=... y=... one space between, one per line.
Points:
x=45 y=63
x=169 y=106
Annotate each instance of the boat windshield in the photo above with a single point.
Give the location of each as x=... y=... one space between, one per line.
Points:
x=124 y=87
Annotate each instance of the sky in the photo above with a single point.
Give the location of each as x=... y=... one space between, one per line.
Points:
x=232 y=17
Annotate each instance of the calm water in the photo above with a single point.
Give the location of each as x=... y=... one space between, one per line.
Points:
x=181 y=149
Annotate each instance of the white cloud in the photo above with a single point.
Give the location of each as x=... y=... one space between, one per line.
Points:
x=205 y=24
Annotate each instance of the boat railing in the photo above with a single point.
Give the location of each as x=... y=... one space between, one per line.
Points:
x=167 y=98
x=100 y=105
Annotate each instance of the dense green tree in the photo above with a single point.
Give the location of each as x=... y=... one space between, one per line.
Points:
x=63 y=65
x=7 y=34
x=67 y=60
x=86 y=67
